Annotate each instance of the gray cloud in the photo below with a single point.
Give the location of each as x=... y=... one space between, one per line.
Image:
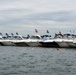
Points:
x=19 y=17
x=59 y=14
x=55 y=16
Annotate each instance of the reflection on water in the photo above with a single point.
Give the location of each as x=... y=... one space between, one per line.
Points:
x=37 y=61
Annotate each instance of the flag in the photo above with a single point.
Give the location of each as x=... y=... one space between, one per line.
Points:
x=36 y=30
x=47 y=31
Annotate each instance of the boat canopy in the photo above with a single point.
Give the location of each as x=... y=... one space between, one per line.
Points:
x=35 y=37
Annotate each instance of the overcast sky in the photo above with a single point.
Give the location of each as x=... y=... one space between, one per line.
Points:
x=26 y=15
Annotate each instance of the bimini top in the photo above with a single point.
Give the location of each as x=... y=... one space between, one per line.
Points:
x=35 y=37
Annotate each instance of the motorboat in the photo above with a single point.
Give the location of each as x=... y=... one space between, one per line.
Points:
x=60 y=40
x=69 y=39
x=29 y=41
x=65 y=40
x=48 y=41
x=34 y=40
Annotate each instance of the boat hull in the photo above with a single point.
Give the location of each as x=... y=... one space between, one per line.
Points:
x=34 y=44
x=49 y=44
x=21 y=44
x=71 y=44
x=7 y=43
x=62 y=43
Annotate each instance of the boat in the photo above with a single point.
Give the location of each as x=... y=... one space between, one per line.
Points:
x=32 y=41
x=7 y=43
x=65 y=40
x=69 y=39
x=60 y=41
x=48 y=41
x=9 y=40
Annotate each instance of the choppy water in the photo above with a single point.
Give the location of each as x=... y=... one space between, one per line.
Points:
x=37 y=61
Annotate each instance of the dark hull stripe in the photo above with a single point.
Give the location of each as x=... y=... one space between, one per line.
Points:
x=72 y=46
x=49 y=44
x=1 y=44
x=21 y=44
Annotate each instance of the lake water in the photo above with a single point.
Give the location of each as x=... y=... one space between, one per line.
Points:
x=37 y=61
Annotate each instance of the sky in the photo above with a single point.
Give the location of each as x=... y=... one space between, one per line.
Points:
x=24 y=16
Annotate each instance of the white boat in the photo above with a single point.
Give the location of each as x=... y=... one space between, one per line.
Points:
x=9 y=40
x=60 y=41
x=34 y=41
x=70 y=43
x=65 y=40
x=69 y=39
x=31 y=41
x=48 y=41
x=74 y=42
x=7 y=43
x=20 y=42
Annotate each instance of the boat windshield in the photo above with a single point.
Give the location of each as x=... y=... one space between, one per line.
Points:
x=35 y=37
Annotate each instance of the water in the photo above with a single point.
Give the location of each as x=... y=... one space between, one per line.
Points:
x=37 y=61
